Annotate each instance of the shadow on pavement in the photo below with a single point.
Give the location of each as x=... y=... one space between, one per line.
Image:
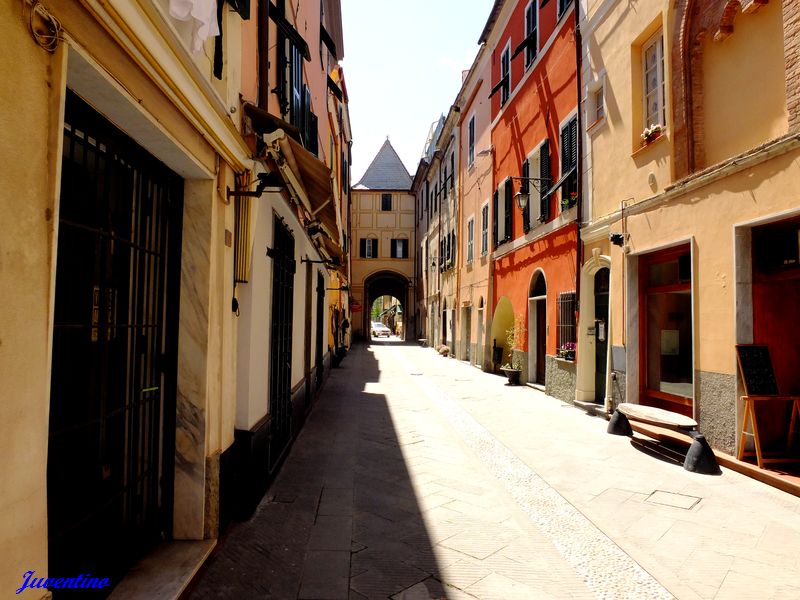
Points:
x=341 y=520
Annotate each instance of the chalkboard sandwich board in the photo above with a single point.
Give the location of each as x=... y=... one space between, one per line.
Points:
x=755 y=366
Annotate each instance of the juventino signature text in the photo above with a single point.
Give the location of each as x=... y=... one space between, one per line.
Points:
x=84 y=581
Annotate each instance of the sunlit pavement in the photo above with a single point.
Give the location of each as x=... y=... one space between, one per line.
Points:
x=419 y=476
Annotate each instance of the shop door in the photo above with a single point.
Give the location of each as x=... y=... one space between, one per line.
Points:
x=280 y=356
x=112 y=404
x=467 y=333
x=601 y=333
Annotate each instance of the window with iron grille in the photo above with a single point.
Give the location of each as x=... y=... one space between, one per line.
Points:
x=386 y=202
x=567 y=329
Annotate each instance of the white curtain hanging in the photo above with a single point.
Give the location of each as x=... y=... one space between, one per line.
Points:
x=202 y=13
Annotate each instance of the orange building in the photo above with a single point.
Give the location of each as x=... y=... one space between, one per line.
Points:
x=534 y=139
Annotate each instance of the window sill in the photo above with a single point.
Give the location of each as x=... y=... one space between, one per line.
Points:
x=569 y=361
x=648 y=146
x=596 y=126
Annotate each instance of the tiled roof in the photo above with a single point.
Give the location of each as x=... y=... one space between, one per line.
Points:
x=386 y=172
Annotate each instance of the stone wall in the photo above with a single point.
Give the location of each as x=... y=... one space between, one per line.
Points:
x=716 y=409
x=560 y=379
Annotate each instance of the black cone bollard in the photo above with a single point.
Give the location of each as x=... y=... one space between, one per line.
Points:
x=619 y=424
x=700 y=457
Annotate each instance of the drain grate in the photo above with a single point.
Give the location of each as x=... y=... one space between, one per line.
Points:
x=672 y=499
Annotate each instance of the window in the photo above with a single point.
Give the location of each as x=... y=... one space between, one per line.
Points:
x=471 y=142
x=566 y=321
x=400 y=248
x=532 y=168
x=444 y=183
x=505 y=75
x=655 y=112
x=452 y=169
x=470 y=239
x=508 y=228
x=569 y=163
x=484 y=229
x=531 y=33
x=563 y=5
x=504 y=213
x=368 y=248
x=386 y=202
x=597 y=108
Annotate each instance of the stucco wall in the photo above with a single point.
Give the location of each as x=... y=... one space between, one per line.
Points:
x=750 y=59
x=30 y=94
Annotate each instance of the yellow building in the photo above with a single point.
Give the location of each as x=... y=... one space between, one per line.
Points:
x=690 y=185
x=130 y=265
x=383 y=252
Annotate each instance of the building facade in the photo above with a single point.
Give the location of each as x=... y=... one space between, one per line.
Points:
x=691 y=177
x=384 y=253
x=474 y=214
x=534 y=125
x=156 y=243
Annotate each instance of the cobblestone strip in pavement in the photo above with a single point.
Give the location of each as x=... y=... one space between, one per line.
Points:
x=606 y=569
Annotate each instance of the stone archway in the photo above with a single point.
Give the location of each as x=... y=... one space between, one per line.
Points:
x=588 y=330
x=387 y=283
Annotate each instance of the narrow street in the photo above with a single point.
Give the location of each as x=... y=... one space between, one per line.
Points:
x=419 y=476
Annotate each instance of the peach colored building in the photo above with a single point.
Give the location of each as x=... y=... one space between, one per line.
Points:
x=702 y=210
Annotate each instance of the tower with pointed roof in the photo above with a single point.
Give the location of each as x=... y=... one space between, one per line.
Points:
x=382 y=238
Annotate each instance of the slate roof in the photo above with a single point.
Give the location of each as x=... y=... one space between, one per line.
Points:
x=386 y=172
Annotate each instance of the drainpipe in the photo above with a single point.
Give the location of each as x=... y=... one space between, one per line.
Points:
x=263 y=55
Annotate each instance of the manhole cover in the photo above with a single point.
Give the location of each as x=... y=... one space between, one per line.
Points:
x=673 y=499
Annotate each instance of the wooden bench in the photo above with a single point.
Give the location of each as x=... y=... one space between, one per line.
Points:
x=700 y=457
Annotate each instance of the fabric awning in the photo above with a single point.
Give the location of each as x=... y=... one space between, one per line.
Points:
x=264 y=122
x=309 y=177
x=560 y=182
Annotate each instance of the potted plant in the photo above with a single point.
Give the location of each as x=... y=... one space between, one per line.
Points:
x=514 y=335
x=567 y=351
x=568 y=202
x=652 y=133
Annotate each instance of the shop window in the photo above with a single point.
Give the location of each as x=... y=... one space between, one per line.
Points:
x=666 y=354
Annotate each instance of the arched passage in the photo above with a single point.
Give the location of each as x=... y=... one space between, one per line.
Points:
x=387 y=283
x=502 y=321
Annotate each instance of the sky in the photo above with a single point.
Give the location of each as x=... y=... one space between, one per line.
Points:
x=402 y=67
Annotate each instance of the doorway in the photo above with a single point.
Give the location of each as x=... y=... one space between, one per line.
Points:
x=537 y=329
x=110 y=466
x=601 y=288
x=280 y=374
x=481 y=335
x=466 y=317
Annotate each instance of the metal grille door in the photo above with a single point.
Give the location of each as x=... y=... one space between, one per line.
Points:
x=280 y=383
x=112 y=405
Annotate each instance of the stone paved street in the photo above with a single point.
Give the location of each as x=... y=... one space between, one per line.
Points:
x=419 y=476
